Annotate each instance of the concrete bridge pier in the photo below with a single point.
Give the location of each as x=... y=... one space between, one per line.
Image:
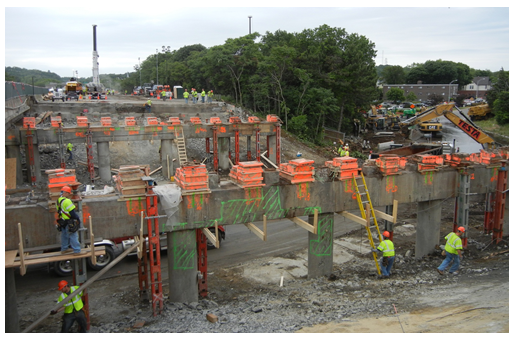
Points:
x=429 y=219
x=320 y=246
x=12 y=324
x=223 y=153
x=272 y=151
x=104 y=161
x=169 y=147
x=14 y=152
x=37 y=163
x=182 y=266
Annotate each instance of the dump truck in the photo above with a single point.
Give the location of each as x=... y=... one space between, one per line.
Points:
x=480 y=112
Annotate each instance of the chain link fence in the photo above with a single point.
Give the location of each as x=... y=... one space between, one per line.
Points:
x=15 y=92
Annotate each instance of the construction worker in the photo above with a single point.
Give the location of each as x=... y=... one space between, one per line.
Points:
x=68 y=222
x=453 y=249
x=341 y=151
x=210 y=96
x=69 y=150
x=203 y=95
x=388 y=250
x=186 y=95
x=148 y=106
x=194 y=95
x=73 y=308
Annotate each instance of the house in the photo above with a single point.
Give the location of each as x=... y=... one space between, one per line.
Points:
x=477 y=89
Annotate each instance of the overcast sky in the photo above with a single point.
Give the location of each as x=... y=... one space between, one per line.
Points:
x=61 y=39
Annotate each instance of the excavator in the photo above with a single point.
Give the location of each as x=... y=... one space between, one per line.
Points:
x=381 y=119
x=463 y=122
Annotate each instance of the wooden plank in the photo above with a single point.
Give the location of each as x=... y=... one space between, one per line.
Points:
x=252 y=227
x=20 y=248
x=56 y=257
x=353 y=217
x=9 y=258
x=303 y=224
x=210 y=237
x=383 y=215
x=10 y=173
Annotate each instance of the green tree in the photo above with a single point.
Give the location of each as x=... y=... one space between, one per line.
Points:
x=395 y=95
x=393 y=75
x=435 y=99
x=412 y=97
x=501 y=108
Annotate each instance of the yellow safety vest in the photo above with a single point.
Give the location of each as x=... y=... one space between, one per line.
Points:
x=70 y=146
x=186 y=94
x=64 y=207
x=210 y=94
x=203 y=93
x=453 y=243
x=386 y=247
x=74 y=303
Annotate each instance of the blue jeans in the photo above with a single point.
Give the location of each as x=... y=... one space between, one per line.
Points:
x=203 y=98
x=448 y=258
x=385 y=270
x=71 y=155
x=70 y=239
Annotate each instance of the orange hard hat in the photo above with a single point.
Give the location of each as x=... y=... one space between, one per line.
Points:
x=66 y=189
x=62 y=284
x=386 y=234
x=461 y=229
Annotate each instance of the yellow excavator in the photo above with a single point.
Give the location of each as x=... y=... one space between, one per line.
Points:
x=463 y=122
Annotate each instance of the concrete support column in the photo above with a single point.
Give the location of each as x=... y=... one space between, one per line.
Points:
x=14 y=152
x=429 y=216
x=37 y=163
x=223 y=153
x=182 y=266
x=12 y=324
x=104 y=161
x=320 y=246
x=169 y=147
x=272 y=145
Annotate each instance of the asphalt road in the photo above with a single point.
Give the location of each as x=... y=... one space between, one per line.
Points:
x=239 y=246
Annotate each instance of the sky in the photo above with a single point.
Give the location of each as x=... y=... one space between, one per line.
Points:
x=60 y=39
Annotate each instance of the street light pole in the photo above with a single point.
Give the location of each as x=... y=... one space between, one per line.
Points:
x=477 y=86
x=250 y=20
x=157 y=67
x=139 y=65
x=450 y=89
x=166 y=50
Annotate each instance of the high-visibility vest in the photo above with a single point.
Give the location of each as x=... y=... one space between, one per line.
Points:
x=203 y=93
x=453 y=243
x=341 y=152
x=64 y=206
x=210 y=94
x=75 y=302
x=387 y=248
x=149 y=102
x=69 y=146
x=186 y=95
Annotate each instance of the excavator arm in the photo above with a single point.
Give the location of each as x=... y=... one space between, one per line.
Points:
x=464 y=123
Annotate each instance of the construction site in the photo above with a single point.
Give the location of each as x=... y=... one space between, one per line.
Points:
x=291 y=227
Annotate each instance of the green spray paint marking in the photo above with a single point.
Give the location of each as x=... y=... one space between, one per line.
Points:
x=184 y=249
x=322 y=246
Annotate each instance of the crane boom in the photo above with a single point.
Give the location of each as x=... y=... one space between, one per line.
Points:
x=464 y=124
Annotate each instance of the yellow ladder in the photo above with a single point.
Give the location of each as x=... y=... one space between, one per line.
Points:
x=366 y=214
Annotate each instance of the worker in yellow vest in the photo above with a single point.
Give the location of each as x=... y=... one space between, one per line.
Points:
x=453 y=249
x=210 y=96
x=69 y=149
x=148 y=106
x=186 y=95
x=203 y=95
x=73 y=308
x=68 y=222
x=388 y=250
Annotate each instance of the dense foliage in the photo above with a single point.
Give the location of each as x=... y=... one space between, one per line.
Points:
x=317 y=78
x=498 y=98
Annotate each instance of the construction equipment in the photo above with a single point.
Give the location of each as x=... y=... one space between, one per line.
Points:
x=480 y=112
x=73 y=89
x=463 y=122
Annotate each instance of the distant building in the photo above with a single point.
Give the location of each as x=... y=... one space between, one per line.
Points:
x=423 y=91
x=477 y=89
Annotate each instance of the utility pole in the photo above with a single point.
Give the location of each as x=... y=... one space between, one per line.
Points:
x=250 y=20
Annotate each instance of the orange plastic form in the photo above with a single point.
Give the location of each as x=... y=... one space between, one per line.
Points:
x=82 y=121
x=254 y=119
x=174 y=121
x=234 y=119
x=130 y=121
x=29 y=122
x=105 y=121
x=192 y=177
x=215 y=120
x=55 y=121
x=151 y=121
x=272 y=118
x=195 y=120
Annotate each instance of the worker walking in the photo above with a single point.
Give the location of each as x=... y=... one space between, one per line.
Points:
x=387 y=248
x=73 y=308
x=453 y=249
x=148 y=106
x=210 y=96
x=203 y=95
x=69 y=150
x=186 y=95
x=68 y=222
